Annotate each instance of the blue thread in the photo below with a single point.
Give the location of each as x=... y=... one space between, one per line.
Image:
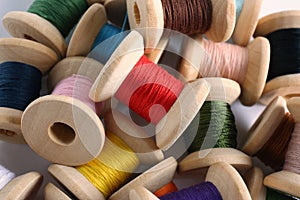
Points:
x=105 y=33
x=103 y=50
x=239 y=6
x=20 y=84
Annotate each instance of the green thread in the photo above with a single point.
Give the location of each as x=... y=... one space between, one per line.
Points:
x=213 y=127
x=274 y=195
x=63 y=14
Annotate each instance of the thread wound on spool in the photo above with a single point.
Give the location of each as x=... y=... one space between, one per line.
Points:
x=20 y=84
x=188 y=17
x=104 y=50
x=109 y=171
x=293 y=153
x=285 y=51
x=149 y=90
x=224 y=60
x=78 y=87
x=274 y=150
x=213 y=127
x=63 y=14
x=203 y=191
x=169 y=188
x=105 y=33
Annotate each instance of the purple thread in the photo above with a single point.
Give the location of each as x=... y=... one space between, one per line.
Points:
x=77 y=87
x=203 y=191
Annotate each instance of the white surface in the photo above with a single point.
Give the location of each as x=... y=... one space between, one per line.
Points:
x=20 y=158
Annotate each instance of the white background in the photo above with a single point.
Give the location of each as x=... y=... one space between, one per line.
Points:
x=21 y=159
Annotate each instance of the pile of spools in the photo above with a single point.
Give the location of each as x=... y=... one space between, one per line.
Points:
x=139 y=91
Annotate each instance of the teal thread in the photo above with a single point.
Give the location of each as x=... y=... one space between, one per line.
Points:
x=274 y=195
x=63 y=14
x=239 y=6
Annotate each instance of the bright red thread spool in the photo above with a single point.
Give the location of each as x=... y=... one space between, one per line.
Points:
x=148 y=85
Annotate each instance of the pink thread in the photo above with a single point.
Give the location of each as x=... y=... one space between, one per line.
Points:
x=149 y=90
x=224 y=60
x=292 y=156
x=78 y=87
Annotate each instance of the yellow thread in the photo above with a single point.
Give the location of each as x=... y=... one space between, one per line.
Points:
x=112 y=167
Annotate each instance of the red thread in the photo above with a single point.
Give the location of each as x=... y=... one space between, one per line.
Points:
x=145 y=87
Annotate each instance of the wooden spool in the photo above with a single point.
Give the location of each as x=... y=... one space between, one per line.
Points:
x=31 y=53
x=133 y=135
x=22 y=187
x=257 y=68
x=227 y=91
x=154 y=178
x=247 y=22
x=54 y=193
x=71 y=132
x=27 y=25
x=265 y=125
x=86 y=31
x=181 y=113
x=227 y=180
x=286 y=181
x=287 y=85
x=148 y=18
x=116 y=12
x=254 y=181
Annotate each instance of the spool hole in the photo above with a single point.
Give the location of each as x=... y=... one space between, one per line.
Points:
x=61 y=133
x=137 y=14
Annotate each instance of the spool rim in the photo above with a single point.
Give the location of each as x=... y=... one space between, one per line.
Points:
x=53 y=192
x=220 y=174
x=284 y=181
x=117 y=67
x=69 y=66
x=265 y=125
x=254 y=181
x=87 y=147
x=82 y=40
x=10 y=125
x=205 y=158
x=257 y=71
x=152 y=179
x=286 y=86
x=277 y=21
x=182 y=113
x=148 y=19
x=69 y=177
x=22 y=186
x=28 y=25
x=221 y=29
x=249 y=16
x=228 y=92
x=26 y=51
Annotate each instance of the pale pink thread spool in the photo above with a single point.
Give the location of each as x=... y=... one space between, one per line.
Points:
x=246 y=65
x=77 y=86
